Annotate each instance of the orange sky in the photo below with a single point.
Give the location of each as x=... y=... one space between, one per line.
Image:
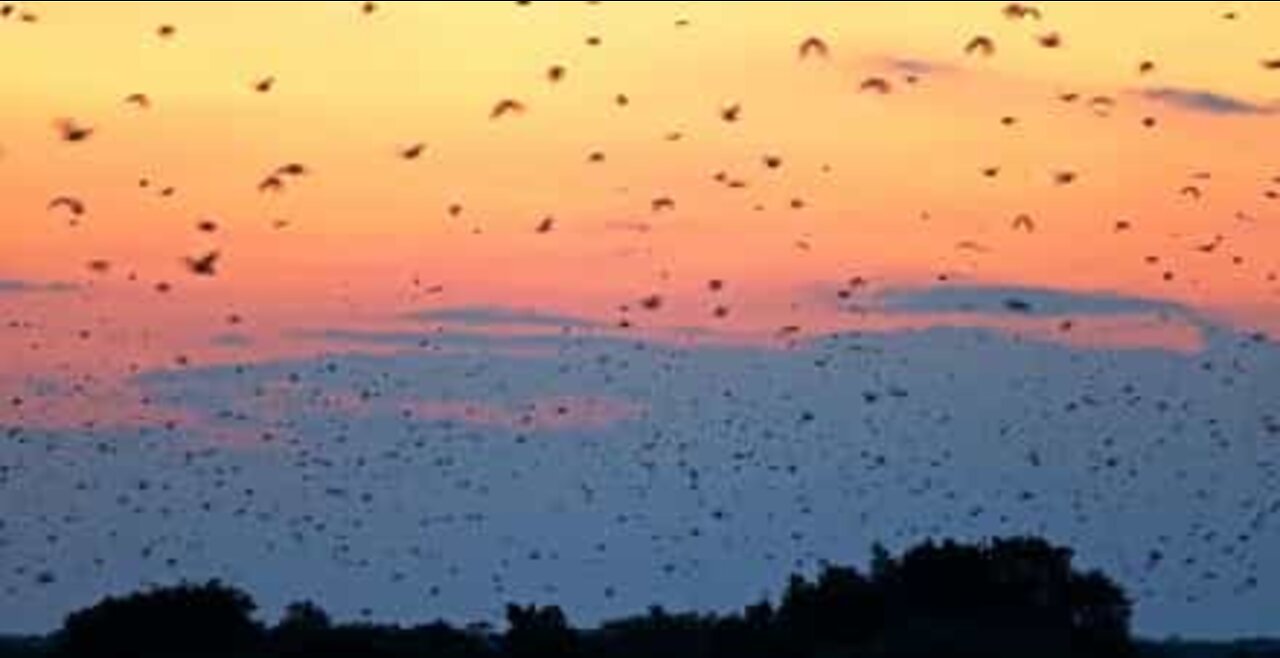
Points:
x=891 y=184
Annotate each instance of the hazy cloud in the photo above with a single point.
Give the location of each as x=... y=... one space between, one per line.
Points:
x=1200 y=100
x=497 y=316
x=22 y=286
x=1021 y=300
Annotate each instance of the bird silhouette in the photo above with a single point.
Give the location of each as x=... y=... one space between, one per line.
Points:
x=272 y=183
x=1050 y=40
x=292 y=169
x=505 y=107
x=875 y=84
x=72 y=204
x=814 y=47
x=264 y=85
x=140 y=100
x=1017 y=11
x=556 y=73
x=1024 y=222
x=413 y=151
x=1102 y=105
x=731 y=113
x=166 y=31
x=205 y=265
x=546 y=225
x=980 y=45
x=71 y=131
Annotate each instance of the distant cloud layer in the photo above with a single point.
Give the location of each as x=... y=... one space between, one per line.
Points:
x=1199 y=100
x=1023 y=300
x=21 y=286
x=486 y=316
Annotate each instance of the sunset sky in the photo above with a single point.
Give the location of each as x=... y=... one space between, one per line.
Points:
x=717 y=258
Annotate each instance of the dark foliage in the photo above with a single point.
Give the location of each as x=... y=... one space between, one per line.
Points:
x=1009 y=598
x=188 y=620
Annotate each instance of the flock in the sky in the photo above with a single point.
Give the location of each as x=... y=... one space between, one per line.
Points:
x=346 y=474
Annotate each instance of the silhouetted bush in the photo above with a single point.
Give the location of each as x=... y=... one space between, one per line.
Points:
x=187 y=620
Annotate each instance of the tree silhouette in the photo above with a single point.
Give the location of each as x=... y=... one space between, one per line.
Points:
x=539 y=633
x=1009 y=598
x=187 y=620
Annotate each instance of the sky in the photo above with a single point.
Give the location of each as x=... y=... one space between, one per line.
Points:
x=704 y=309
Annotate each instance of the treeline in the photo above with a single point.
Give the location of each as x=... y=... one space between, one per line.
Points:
x=1009 y=598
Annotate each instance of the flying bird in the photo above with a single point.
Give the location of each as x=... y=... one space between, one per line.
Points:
x=772 y=161
x=271 y=183
x=73 y=205
x=140 y=100
x=1102 y=105
x=1212 y=246
x=662 y=204
x=1192 y=192
x=413 y=152
x=205 y=265
x=1064 y=177
x=731 y=113
x=876 y=84
x=1271 y=64
x=166 y=31
x=556 y=73
x=207 y=226
x=1016 y=11
x=1024 y=222
x=368 y=7
x=1050 y=40
x=264 y=85
x=814 y=47
x=506 y=106
x=292 y=169
x=1146 y=67
x=980 y=45
x=546 y=225
x=72 y=131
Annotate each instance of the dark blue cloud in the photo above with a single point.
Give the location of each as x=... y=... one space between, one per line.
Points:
x=497 y=316
x=994 y=299
x=1200 y=100
x=915 y=66
x=231 y=340
x=22 y=286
